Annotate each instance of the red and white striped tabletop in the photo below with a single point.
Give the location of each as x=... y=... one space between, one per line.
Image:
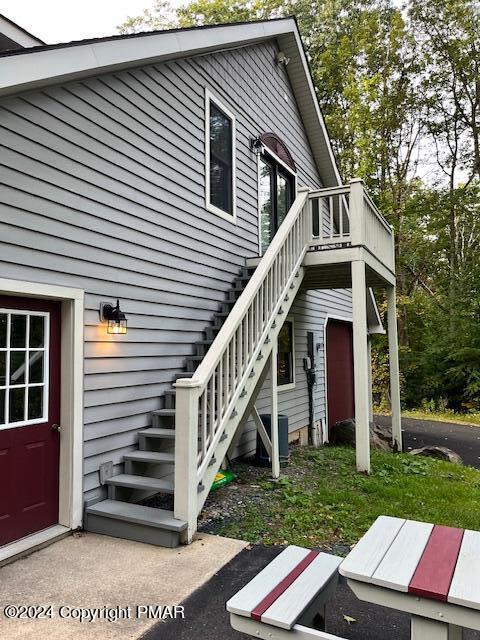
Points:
x=281 y=592
x=432 y=561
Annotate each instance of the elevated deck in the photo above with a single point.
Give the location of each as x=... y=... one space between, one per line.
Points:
x=346 y=227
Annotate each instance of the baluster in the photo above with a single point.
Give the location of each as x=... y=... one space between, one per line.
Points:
x=224 y=382
x=233 y=359
x=340 y=209
x=240 y=351
x=330 y=206
x=321 y=213
x=212 y=404
x=203 y=422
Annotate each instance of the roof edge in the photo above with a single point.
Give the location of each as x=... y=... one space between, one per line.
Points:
x=17 y=27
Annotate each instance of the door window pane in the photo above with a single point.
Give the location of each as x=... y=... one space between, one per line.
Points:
x=283 y=203
x=3 y=330
x=35 y=359
x=3 y=368
x=24 y=368
x=265 y=195
x=17 y=367
x=285 y=354
x=18 y=331
x=37 y=332
x=221 y=160
x=17 y=405
x=35 y=403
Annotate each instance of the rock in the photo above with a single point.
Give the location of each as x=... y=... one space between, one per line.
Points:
x=344 y=433
x=442 y=453
x=381 y=437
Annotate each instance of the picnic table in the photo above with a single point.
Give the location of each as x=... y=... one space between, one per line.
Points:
x=430 y=571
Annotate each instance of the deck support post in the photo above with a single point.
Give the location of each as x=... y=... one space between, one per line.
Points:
x=186 y=451
x=394 y=368
x=274 y=413
x=370 y=381
x=360 y=366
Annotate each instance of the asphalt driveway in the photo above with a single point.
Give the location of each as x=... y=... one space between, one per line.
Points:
x=461 y=438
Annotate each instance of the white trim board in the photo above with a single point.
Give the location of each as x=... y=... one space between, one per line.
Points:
x=29 y=543
x=275 y=158
x=230 y=217
x=329 y=316
x=43 y=66
x=71 y=400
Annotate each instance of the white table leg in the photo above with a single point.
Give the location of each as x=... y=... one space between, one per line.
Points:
x=426 y=629
x=454 y=632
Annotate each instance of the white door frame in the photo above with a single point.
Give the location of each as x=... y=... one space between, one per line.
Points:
x=329 y=316
x=71 y=408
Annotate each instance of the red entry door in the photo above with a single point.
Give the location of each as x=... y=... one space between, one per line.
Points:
x=29 y=413
x=340 y=390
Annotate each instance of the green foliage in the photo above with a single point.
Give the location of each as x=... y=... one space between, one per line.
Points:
x=303 y=509
x=400 y=94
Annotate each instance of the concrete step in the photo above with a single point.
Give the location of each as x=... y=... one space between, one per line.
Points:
x=161 y=485
x=150 y=457
x=135 y=522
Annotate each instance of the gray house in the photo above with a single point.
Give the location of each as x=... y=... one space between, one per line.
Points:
x=178 y=255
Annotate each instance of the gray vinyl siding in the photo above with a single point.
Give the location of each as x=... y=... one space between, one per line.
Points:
x=102 y=188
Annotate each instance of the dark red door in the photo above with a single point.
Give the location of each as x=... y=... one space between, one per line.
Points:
x=340 y=390
x=29 y=408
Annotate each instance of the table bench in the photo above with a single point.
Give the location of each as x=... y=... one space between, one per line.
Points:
x=429 y=571
x=287 y=598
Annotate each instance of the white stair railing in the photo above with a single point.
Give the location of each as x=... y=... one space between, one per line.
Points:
x=206 y=403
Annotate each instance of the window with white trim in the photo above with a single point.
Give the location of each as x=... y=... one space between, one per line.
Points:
x=220 y=158
x=286 y=356
x=24 y=367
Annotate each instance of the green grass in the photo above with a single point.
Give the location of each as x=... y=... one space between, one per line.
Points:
x=472 y=419
x=322 y=500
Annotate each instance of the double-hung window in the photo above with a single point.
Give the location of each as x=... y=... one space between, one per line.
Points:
x=220 y=158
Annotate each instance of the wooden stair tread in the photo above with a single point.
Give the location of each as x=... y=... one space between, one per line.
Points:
x=138 y=514
x=142 y=482
x=155 y=432
x=150 y=456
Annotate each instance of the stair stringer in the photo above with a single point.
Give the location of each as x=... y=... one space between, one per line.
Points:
x=252 y=388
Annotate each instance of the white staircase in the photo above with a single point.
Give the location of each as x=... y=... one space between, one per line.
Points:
x=215 y=401
x=343 y=241
x=190 y=437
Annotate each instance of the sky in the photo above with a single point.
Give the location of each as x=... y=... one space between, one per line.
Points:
x=64 y=20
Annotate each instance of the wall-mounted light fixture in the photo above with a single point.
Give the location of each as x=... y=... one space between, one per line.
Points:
x=282 y=59
x=114 y=317
x=256 y=145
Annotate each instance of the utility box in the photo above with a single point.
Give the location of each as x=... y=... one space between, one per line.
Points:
x=262 y=459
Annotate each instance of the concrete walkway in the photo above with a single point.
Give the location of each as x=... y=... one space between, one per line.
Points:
x=98 y=572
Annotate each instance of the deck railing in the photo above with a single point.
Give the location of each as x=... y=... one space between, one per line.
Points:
x=346 y=216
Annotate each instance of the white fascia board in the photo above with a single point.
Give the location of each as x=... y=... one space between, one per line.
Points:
x=25 y=71
x=17 y=34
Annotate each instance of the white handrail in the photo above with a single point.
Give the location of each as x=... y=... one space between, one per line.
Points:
x=233 y=320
